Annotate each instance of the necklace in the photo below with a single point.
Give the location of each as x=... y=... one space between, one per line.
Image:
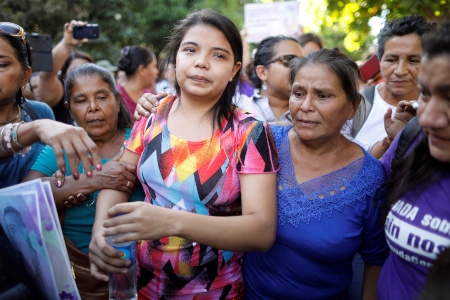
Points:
x=9 y=121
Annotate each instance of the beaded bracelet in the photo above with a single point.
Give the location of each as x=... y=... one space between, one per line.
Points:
x=11 y=135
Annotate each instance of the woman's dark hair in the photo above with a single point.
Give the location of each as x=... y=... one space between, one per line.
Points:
x=264 y=53
x=345 y=69
x=310 y=37
x=132 y=57
x=23 y=54
x=400 y=27
x=91 y=69
x=419 y=170
x=223 y=109
x=437 y=285
x=74 y=55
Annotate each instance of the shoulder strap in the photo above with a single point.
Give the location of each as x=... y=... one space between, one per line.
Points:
x=26 y=107
x=363 y=110
x=407 y=136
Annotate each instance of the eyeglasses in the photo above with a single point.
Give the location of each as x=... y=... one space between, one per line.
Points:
x=284 y=59
x=13 y=30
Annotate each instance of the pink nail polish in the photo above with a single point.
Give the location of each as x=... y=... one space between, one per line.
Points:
x=89 y=174
x=99 y=167
x=58 y=183
x=76 y=176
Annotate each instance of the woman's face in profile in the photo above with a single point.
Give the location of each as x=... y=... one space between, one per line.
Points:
x=318 y=104
x=434 y=107
x=11 y=73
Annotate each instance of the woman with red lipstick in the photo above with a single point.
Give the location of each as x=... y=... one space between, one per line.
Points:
x=209 y=173
x=326 y=189
x=418 y=191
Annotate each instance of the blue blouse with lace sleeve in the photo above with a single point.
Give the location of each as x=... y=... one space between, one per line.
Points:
x=322 y=223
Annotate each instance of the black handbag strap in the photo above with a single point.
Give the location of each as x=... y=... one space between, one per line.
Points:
x=27 y=108
x=407 y=137
x=364 y=109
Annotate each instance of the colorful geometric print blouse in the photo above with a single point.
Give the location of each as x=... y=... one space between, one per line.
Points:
x=199 y=177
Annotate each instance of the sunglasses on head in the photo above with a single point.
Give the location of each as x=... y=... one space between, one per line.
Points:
x=284 y=59
x=13 y=30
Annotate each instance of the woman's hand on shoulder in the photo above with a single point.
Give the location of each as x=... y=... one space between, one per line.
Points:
x=147 y=104
x=73 y=140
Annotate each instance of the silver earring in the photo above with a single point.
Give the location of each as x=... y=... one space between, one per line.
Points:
x=264 y=86
x=23 y=88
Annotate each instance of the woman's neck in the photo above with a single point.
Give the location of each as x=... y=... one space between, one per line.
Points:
x=191 y=120
x=9 y=113
x=108 y=145
x=316 y=158
x=394 y=99
x=134 y=88
x=279 y=106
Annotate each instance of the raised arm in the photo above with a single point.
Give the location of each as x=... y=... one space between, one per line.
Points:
x=51 y=88
x=403 y=114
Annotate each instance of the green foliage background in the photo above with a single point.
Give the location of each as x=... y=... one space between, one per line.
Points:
x=341 y=23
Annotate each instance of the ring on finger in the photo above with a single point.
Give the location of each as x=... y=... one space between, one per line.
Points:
x=128 y=183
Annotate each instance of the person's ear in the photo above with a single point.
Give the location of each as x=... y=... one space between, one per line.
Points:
x=66 y=104
x=236 y=68
x=261 y=71
x=142 y=68
x=26 y=76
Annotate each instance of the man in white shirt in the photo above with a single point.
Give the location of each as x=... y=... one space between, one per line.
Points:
x=399 y=53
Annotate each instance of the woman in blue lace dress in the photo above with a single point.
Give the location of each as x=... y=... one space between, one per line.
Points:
x=327 y=191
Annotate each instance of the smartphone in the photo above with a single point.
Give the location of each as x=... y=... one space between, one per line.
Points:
x=370 y=68
x=90 y=31
x=41 y=52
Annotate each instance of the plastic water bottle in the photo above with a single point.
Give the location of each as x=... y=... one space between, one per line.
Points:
x=123 y=286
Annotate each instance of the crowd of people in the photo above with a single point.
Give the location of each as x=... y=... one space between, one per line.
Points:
x=314 y=185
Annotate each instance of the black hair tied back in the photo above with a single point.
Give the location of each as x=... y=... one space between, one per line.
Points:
x=124 y=61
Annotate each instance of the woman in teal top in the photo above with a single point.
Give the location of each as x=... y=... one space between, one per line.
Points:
x=95 y=104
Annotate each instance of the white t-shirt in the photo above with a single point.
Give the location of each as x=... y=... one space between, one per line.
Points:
x=373 y=130
x=260 y=107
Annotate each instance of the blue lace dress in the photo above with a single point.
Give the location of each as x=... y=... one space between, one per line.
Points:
x=322 y=223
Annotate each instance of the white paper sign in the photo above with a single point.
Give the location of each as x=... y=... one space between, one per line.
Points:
x=268 y=19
